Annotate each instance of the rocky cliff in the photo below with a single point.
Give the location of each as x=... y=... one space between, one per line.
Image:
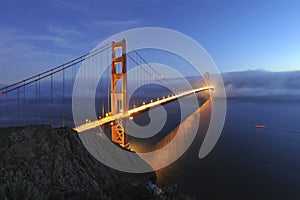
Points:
x=39 y=162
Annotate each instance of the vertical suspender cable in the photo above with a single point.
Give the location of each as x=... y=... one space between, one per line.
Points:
x=36 y=101
x=137 y=85
x=19 y=107
x=100 y=86
x=1 y=110
x=51 y=100
x=6 y=108
x=95 y=75
x=63 y=100
x=141 y=86
x=108 y=89
x=144 y=86
x=141 y=83
x=24 y=104
x=39 y=100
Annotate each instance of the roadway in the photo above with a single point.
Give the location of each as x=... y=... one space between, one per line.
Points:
x=108 y=119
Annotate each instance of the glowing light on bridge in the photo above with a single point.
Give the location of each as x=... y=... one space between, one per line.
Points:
x=130 y=113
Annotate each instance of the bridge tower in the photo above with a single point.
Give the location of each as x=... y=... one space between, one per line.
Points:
x=206 y=83
x=206 y=79
x=119 y=98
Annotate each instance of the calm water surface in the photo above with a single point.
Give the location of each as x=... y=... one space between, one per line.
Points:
x=246 y=163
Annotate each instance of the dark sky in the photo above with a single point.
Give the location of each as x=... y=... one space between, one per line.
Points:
x=238 y=34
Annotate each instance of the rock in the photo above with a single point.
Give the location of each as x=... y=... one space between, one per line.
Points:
x=53 y=163
x=40 y=162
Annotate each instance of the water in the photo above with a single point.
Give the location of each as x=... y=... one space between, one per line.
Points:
x=246 y=163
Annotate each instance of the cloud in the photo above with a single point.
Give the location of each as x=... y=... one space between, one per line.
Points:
x=51 y=38
x=64 y=31
x=23 y=54
x=12 y=43
x=14 y=48
x=114 y=22
x=11 y=37
x=262 y=83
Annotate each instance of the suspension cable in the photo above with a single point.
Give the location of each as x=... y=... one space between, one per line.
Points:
x=52 y=71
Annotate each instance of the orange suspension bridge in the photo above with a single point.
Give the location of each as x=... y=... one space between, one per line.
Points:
x=46 y=98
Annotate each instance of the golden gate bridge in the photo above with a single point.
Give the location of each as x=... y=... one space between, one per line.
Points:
x=45 y=98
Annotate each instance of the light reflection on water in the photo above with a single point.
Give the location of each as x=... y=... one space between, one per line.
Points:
x=188 y=126
x=204 y=111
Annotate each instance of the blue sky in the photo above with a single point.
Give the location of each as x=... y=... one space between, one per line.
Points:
x=238 y=34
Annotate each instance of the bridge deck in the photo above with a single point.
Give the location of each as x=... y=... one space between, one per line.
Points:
x=108 y=119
